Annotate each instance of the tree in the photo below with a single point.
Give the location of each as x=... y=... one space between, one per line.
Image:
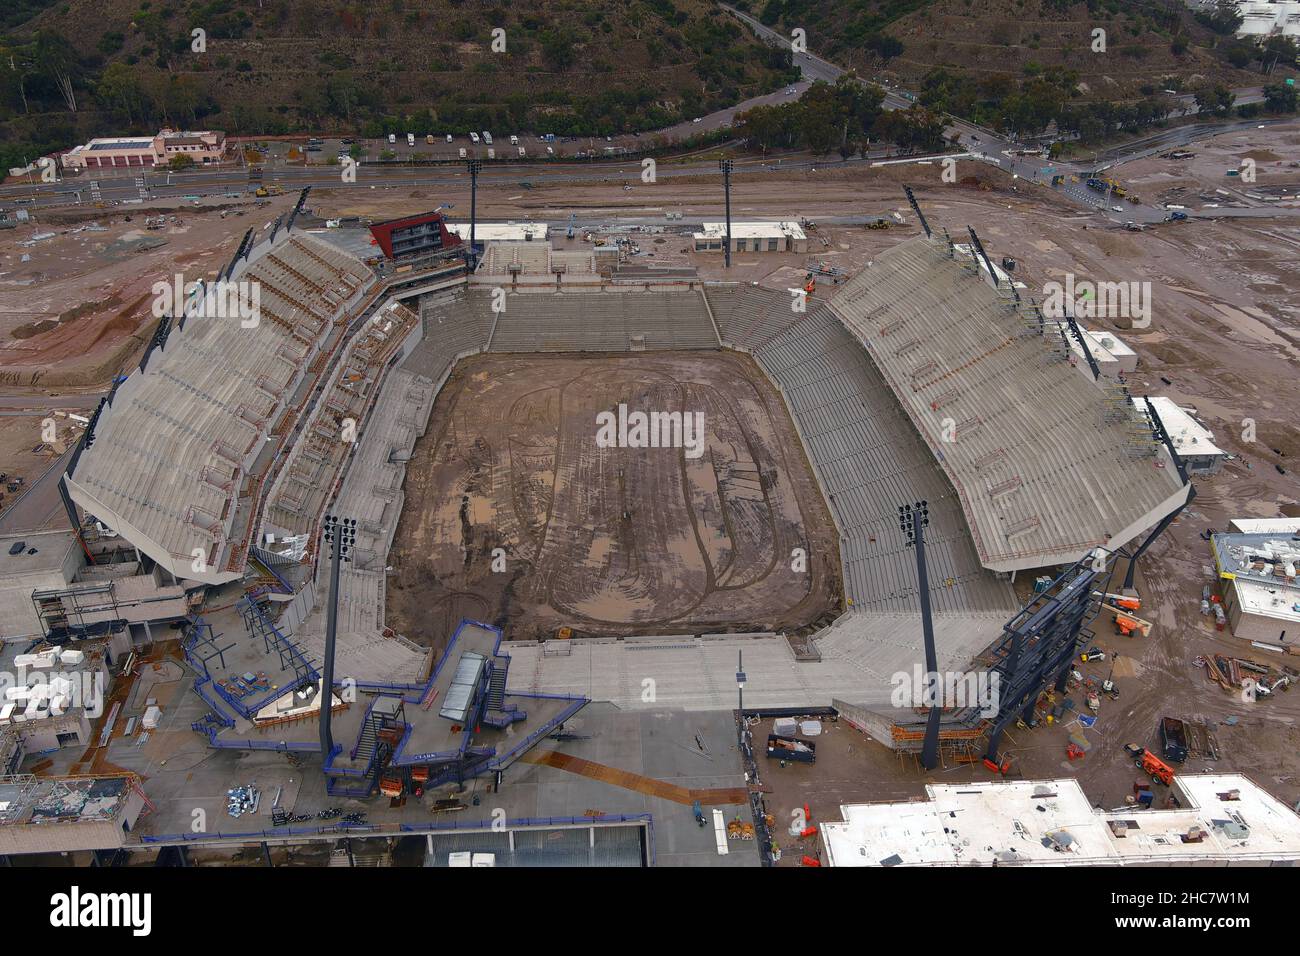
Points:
x=1280 y=98
x=1224 y=19
x=119 y=89
x=56 y=59
x=1217 y=99
x=557 y=49
x=179 y=162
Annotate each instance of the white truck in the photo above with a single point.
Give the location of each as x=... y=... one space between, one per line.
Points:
x=392 y=137
x=410 y=139
x=473 y=137
x=487 y=137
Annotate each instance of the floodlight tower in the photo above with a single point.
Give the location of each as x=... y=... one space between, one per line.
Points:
x=740 y=691
x=474 y=166
x=725 y=165
x=912 y=521
x=341 y=534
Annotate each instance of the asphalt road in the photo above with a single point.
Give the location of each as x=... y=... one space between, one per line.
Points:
x=989 y=146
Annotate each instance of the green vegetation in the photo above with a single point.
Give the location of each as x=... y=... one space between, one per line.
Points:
x=843 y=118
x=107 y=67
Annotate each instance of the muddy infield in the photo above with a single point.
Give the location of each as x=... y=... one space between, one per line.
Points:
x=514 y=512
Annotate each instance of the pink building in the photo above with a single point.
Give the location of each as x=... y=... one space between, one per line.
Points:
x=205 y=148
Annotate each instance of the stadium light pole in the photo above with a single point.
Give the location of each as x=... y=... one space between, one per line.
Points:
x=912 y=521
x=474 y=165
x=725 y=165
x=341 y=533
x=740 y=691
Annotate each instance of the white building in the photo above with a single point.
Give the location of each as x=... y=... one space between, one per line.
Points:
x=753 y=237
x=1222 y=820
x=1192 y=440
x=1113 y=357
x=1261 y=594
x=1265 y=18
x=501 y=231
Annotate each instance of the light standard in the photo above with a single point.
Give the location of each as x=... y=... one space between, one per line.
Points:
x=740 y=692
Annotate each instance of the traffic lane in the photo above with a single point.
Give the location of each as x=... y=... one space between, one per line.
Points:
x=726 y=118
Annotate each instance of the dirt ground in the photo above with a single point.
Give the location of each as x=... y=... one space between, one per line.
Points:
x=1224 y=338
x=610 y=540
x=77 y=310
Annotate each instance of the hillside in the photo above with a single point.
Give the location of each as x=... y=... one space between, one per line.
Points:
x=280 y=66
x=907 y=39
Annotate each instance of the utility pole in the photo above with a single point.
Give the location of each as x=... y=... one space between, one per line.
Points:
x=740 y=691
x=341 y=534
x=725 y=165
x=474 y=166
x=912 y=521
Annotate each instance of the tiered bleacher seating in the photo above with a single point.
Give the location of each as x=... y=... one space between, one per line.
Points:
x=868 y=458
x=1047 y=464
x=173 y=450
x=601 y=322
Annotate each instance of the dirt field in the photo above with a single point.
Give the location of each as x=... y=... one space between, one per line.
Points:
x=77 y=309
x=610 y=540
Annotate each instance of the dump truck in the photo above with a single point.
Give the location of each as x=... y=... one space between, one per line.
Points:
x=1173 y=738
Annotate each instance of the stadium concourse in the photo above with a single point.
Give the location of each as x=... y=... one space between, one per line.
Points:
x=239 y=427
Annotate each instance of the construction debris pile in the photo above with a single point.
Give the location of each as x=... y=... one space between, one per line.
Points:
x=1241 y=675
x=242 y=800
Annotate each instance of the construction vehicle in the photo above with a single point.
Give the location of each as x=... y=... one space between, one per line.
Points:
x=573 y=218
x=1173 y=738
x=1092 y=654
x=699 y=812
x=1127 y=602
x=1104 y=185
x=878 y=224
x=1150 y=764
x=1128 y=624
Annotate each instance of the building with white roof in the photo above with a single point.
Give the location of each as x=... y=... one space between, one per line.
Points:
x=1114 y=358
x=1193 y=442
x=501 y=231
x=1219 y=819
x=766 y=236
x=1261 y=596
x=1261 y=525
x=1264 y=18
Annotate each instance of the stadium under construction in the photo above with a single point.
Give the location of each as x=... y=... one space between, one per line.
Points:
x=952 y=441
